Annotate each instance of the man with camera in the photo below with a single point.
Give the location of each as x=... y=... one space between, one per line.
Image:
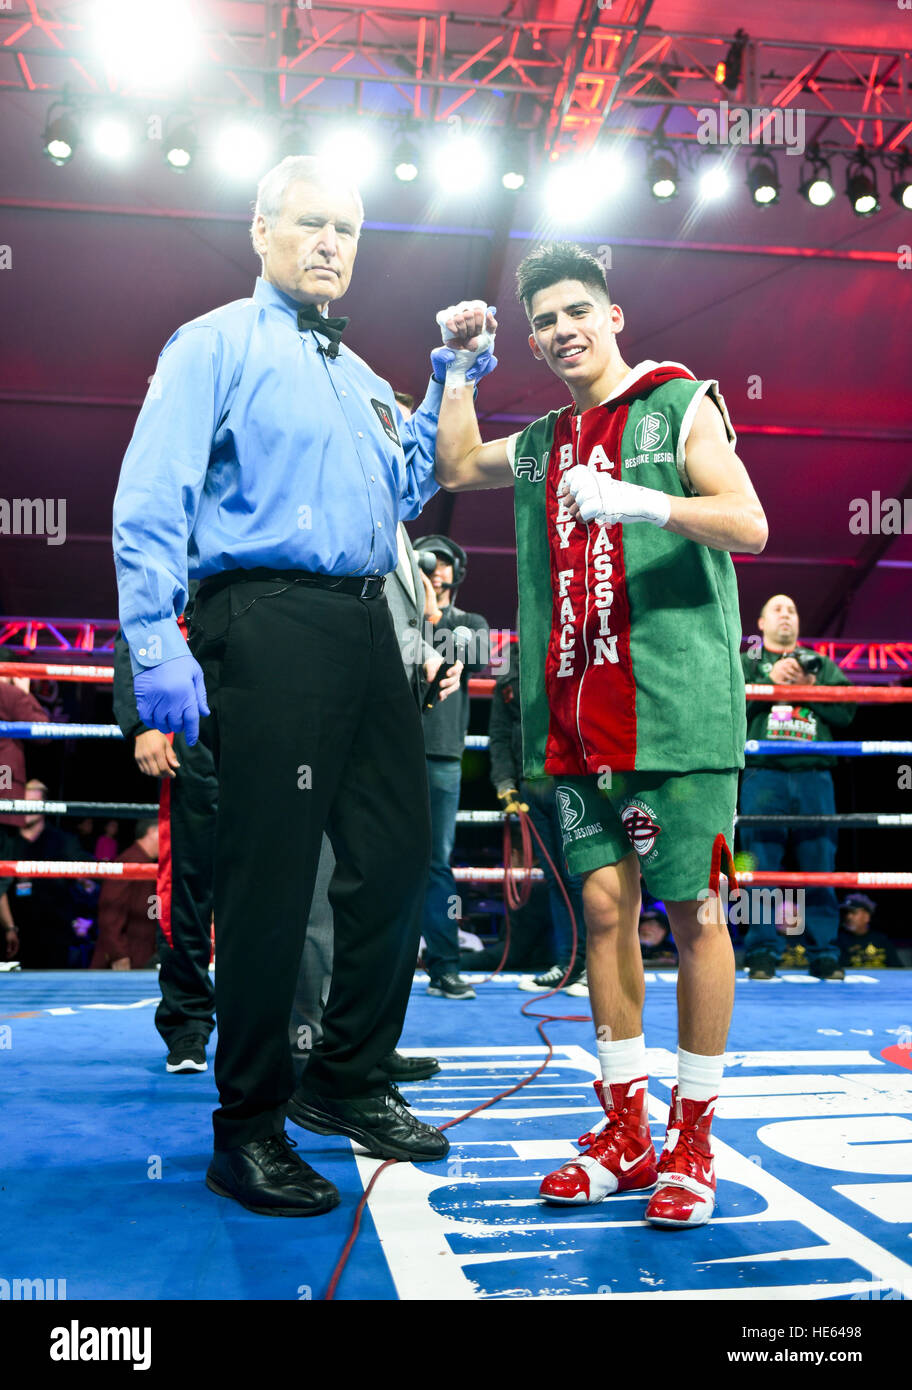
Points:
x=791 y=784
x=461 y=637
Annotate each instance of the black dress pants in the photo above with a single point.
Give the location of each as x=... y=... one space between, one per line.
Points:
x=313 y=728
x=187 y=1005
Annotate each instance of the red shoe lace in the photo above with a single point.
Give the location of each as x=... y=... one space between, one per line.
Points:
x=606 y=1137
x=683 y=1157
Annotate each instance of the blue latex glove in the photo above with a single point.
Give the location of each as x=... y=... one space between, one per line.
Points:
x=171 y=697
x=442 y=357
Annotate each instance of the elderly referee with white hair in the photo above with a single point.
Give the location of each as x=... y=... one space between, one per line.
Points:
x=269 y=462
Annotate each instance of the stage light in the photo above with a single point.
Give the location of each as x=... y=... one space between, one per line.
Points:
x=731 y=68
x=663 y=174
x=567 y=191
x=861 y=186
x=60 y=138
x=460 y=164
x=901 y=188
x=405 y=162
x=763 y=180
x=243 y=150
x=145 y=42
x=901 y=193
x=714 y=181
x=180 y=147
x=609 y=169
x=578 y=185
x=353 y=153
x=816 y=186
x=113 y=137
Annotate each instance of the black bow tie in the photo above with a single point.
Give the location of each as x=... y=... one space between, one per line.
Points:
x=310 y=317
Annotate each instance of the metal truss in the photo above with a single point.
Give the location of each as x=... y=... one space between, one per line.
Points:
x=53 y=636
x=561 y=82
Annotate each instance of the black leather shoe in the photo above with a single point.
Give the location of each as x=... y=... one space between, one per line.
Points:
x=826 y=968
x=266 y=1177
x=382 y=1124
x=399 y=1068
x=761 y=966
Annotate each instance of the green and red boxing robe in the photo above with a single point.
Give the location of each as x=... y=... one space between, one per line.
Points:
x=629 y=635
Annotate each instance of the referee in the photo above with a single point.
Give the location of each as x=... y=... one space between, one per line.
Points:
x=272 y=452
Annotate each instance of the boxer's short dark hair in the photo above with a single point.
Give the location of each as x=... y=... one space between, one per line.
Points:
x=555 y=261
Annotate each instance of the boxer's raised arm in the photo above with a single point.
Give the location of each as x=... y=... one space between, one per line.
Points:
x=463 y=462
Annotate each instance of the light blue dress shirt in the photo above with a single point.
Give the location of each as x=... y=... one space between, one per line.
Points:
x=255 y=449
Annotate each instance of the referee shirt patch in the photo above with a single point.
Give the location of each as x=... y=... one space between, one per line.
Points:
x=385 y=416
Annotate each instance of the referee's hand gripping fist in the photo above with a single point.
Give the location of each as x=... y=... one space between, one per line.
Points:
x=468 y=330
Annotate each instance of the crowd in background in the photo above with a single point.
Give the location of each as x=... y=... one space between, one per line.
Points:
x=49 y=923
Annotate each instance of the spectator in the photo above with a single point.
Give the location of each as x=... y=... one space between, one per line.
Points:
x=126 y=931
x=790 y=926
x=106 y=846
x=38 y=919
x=445 y=727
x=505 y=734
x=17 y=703
x=790 y=784
x=859 y=945
x=187 y=793
x=84 y=830
x=656 y=944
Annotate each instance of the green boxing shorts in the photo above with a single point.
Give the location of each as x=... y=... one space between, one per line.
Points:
x=680 y=824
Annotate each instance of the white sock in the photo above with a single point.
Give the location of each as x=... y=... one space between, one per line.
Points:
x=622 y=1061
x=699 y=1078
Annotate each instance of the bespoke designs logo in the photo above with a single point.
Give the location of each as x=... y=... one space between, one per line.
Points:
x=651 y=433
x=642 y=828
x=570 y=807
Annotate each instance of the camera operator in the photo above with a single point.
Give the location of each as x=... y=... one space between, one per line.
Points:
x=791 y=784
x=458 y=636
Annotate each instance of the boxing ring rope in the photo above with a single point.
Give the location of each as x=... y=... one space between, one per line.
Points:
x=845 y=748
x=138 y=810
x=482 y=687
x=92 y=868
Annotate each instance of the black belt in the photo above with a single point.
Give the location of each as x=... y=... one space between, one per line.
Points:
x=362 y=586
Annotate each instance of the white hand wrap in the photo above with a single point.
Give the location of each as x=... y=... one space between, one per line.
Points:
x=606 y=501
x=464 y=358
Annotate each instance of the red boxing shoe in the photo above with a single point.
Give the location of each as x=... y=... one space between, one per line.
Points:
x=686 y=1193
x=618 y=1156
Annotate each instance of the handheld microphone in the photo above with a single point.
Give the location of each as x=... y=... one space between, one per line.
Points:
x=427 y=561
x=462 y=636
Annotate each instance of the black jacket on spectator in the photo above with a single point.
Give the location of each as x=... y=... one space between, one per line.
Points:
x=818 y=723
x=872 y=951
x=42 y=908
x=445 y=725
